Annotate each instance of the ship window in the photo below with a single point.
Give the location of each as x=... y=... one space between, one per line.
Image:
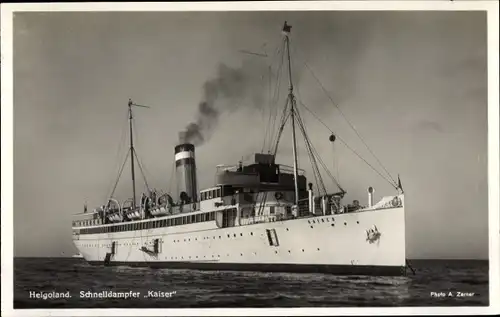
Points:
x=193 y=218
x=202 y=217
x=218 y=192
x=198 y=218
x=163 y=222
x=271 y=210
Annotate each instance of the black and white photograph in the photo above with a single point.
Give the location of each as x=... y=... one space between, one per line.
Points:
x=292 y=155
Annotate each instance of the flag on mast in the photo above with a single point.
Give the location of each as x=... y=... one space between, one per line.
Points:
x=286 y=28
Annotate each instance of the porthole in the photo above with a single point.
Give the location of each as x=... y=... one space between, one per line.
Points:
x=220 y=237
x=357 y=222
x=251 y=233
x=276 y=252
x=235 y=235
x=309 y=221
x=289 y=251
x=302 y=250
x=318 y=249
x=333 y=225
x=312 y=227
x=228 y=236
x=241 y=254
x=322 y=220
x=241 y=234
x=327 y=220
x=314 y=221
x=345 y=223
x=287 y=229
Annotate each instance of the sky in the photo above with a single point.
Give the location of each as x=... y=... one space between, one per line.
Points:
x=413 y=84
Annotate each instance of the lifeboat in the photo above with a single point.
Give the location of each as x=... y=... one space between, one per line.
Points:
x=115 y=216
x=133 y=214
x=164 y=206
x=161 y=210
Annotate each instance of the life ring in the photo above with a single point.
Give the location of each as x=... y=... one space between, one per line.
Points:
x=278 y=195
x=395 y=202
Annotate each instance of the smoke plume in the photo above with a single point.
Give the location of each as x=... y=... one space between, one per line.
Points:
x=231 y=89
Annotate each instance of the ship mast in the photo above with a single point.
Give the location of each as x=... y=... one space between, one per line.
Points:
x=132 y=152
x=291 y=101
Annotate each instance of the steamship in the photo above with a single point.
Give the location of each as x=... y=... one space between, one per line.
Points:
x=258 y=216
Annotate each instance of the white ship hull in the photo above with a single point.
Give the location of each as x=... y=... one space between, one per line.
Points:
x=337 y=243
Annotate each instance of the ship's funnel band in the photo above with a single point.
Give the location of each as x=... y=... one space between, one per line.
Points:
x=185 y=161
x=184 y=155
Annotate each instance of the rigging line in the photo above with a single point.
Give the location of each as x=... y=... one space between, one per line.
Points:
x=139 y=162
x=119 y=149
x=350 y=124
x=337 y=183
x=276 y=95
x=310 y=149
x=345 y=143
x=286 y=114
x=119 y=175
x=270 y=99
